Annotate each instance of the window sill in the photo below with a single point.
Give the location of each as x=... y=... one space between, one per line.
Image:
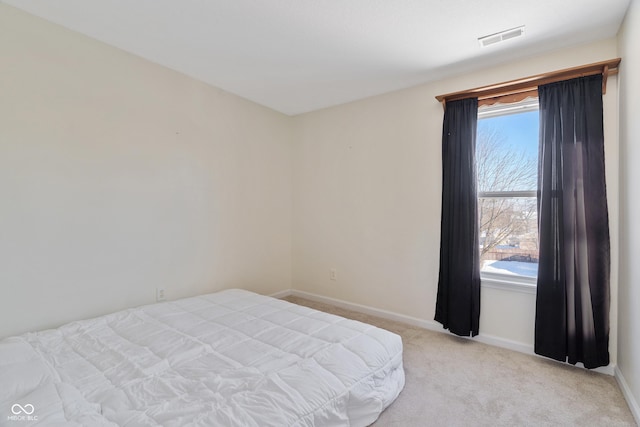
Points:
x=509 y=284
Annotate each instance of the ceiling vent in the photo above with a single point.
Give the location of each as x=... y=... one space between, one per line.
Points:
x=501 y=36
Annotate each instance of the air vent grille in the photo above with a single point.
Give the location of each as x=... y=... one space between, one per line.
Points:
x=501 y=36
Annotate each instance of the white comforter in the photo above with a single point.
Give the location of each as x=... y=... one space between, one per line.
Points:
x=232 y=358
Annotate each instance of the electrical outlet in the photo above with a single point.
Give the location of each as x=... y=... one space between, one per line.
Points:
x=333 y=274
x=160 y=294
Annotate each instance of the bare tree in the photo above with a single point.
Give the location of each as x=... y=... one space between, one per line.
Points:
x=502 y=167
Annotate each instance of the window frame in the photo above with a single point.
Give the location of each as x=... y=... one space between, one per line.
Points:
x=498 y=280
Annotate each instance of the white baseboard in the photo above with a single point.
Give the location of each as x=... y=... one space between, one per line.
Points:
x=389 y=315
x=414 y=321
x=626 y=392
x=428 y=324
x=504 y=343
x=607 y=370
x=528 y=349
x=281 y=294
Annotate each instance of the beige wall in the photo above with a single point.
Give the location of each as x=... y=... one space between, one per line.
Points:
x=118 y=176
x=629 y=310
x=367 y=188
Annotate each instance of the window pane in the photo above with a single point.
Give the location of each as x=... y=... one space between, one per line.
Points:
x=507 y=152
x=508 y=236
x=507 y=162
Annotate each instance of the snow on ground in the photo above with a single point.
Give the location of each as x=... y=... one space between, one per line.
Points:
x=515 y=268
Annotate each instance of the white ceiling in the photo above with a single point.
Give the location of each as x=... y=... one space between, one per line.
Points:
x=301 y=55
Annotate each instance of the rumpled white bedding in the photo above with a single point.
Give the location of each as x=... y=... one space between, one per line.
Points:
x=232 y=358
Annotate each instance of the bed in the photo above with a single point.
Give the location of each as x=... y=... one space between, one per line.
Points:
x=231 y=358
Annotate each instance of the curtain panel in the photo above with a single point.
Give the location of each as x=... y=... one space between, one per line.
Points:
x=458 y=300
x=572 y=304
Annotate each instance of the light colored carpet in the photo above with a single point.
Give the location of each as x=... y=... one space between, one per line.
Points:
x=452 y=381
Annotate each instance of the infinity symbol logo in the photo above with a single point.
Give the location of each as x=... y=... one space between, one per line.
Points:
x=17 y=409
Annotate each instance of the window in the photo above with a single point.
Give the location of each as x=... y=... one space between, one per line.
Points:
x=507 y=165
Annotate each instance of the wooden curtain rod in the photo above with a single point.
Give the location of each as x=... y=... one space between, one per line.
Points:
x=516 y=90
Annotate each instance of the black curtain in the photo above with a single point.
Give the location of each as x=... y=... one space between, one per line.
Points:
x=458 y=302
x=572 y=306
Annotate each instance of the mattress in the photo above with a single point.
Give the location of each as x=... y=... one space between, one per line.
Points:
x=231 y=358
